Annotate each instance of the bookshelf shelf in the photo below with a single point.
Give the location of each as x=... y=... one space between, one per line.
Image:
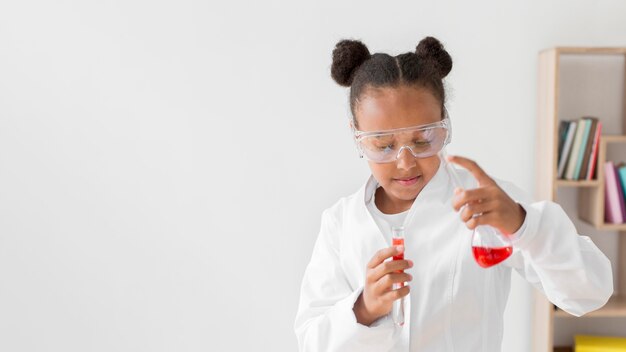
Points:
x=606 y=227
x=611 y=227
x=616 y=307
x=614 y=139
x=570 y=183
x=576 y=82
x=585 y=51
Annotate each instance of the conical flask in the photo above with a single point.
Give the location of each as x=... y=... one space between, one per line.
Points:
x=489 y=246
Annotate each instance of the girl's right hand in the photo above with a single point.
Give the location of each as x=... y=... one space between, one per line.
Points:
x=377 y=297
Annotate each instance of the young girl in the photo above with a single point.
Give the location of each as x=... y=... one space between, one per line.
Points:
x=452 y=304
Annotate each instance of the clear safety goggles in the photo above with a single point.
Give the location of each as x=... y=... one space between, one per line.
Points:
x=421 y=141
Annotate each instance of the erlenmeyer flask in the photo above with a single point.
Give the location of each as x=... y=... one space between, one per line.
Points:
x=489 y=246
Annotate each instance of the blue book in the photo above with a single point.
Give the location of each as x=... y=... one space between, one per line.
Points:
x=621 y=171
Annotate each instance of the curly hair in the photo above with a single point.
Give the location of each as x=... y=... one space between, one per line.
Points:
x=353 y=66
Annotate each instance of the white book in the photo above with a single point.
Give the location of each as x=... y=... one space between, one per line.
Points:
x=573 y=157
x=569 y=137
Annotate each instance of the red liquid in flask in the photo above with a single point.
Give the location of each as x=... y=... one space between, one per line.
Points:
x=487 y=257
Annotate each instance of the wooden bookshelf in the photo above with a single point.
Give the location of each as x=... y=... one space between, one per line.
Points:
x=560 y=82
x=570 y=183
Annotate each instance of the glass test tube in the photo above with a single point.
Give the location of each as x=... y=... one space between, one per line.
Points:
x=397 y=239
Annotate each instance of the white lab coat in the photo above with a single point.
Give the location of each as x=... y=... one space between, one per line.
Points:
x=454 y=304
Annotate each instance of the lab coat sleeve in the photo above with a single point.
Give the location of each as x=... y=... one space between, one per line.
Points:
x=550 y=254
x=325 y=320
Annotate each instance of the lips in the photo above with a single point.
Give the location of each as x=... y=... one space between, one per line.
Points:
x=407 y=181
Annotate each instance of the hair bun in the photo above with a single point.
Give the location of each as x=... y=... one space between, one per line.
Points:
x=432 y=50
x=348 y=55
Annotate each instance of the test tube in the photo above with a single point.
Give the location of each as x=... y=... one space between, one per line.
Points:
x=397 y=312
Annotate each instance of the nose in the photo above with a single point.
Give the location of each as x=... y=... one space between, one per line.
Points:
x=405 y=159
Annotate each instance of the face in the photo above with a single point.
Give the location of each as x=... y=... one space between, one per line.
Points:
x=391 y=108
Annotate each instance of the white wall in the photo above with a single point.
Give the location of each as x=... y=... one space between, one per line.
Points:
x=164 y=165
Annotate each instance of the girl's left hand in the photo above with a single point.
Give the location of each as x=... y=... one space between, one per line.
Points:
x=489 y=202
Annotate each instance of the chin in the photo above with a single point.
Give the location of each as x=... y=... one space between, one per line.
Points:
x=408 y=194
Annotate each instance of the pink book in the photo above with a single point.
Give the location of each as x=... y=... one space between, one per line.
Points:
x=613 y=201
x=594 y=152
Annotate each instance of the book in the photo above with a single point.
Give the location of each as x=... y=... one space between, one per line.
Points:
x=581 y=152
x=620 y=194
x=613 y=200
x=594 y=153
x=587 y=150
x=563 y=126
x=567 y=147
x=621 y=171
x=586 y=343
x=573 y=158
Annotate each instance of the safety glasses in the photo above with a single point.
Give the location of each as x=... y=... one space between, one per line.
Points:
x=421 y=141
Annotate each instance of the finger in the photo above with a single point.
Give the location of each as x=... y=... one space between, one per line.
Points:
x=483 y=219
x=476 y=209
x=390 y=267
x=383 y=254
x=469 y=196
x=396 y=278
x=386 y=283
x=396 y=294
x=479 y=174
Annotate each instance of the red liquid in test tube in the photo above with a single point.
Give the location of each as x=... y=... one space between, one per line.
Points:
x=397 y=312
x=398 y=241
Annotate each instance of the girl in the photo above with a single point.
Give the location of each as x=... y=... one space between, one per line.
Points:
x=400 y=126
